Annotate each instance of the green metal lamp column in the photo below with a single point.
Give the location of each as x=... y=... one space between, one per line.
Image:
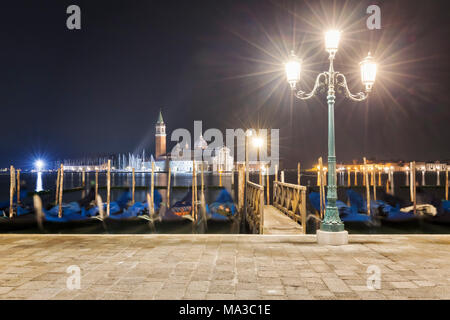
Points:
x=331 y=221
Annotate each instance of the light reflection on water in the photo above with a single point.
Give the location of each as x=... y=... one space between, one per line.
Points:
x=39 y=182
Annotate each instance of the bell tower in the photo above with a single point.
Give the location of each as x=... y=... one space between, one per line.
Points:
x=160 y=137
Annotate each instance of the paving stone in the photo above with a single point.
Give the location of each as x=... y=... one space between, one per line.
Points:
x=223 y=267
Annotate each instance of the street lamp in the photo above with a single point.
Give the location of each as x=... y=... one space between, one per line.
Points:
x=331 y=222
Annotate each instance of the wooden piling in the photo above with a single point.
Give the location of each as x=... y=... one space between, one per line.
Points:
x=151 y=205
x=220 y=177
x=203 y=180
x=411 y=184
x=108 y=188
x=268 y=185
x=374 y=191
x=12 y=183
x=61 y=190
x=83 y=178
x=133 y=185
x=413 y=169
x=367 y=183
x=282 y=176
x=298 y=173
x=379 y=177
x=57 y=187
x=348 y=177
x=18 y=186
x=241 y=186
x=96 y=183
x=446 y=183
x=193 y=192
x=356 y=176
x=276 y=172
x=319 y=180
x=168 y=187
x=260 y=177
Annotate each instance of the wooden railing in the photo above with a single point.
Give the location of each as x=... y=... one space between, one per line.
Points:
x=291 y=200
x=255 y=207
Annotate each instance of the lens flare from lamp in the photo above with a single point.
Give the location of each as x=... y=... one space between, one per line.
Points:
x=257 y=142
x=39 y=164
x=332 y=38
x=368 y=72
x=293 y=69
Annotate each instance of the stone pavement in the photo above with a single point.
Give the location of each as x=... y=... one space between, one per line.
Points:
x=223 y=267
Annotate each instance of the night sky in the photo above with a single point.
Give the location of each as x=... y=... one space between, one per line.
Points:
x=98 y=90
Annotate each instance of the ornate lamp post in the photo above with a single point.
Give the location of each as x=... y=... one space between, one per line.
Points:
x=332 y=228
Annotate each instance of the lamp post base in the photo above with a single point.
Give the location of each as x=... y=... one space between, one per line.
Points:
x=327 y=238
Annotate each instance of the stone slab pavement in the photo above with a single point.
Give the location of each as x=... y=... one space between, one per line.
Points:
x=224 y=267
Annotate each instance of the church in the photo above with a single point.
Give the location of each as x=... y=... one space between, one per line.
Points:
x=221 y=161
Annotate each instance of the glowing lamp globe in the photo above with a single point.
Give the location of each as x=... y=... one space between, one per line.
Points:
x=257 y=142
x=332 y=38
x=293 y=69
x=368 y=72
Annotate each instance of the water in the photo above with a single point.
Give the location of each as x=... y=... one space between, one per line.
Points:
x=120 y=182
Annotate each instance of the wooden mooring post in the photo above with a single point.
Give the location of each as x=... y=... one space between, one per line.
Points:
x=320 y=183
x=367 y=184
x=193 y=190
x=151 y=205
x=18 y=186
x=298 y=173
x=12 y=184
x=241 y=186
x=61 y=190
x=413 y=182
x=268 y=185
x=349 y=177
x=83 y=178
x=133 y=185
x=168 y=187
x=96 y=183
x=108 y=188
x=446 y=184
x=57 y=186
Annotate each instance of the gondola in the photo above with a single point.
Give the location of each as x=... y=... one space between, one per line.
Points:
x=135 y=215
x=87 y=217
x=22 y=220
x=223 y=208
x=386 y=212
x=180 y=211
x=348 y=215
x=442 y=216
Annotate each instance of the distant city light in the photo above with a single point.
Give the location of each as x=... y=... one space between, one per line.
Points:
x=39 y=164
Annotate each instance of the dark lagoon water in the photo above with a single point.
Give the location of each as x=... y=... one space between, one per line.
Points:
x=120 y=182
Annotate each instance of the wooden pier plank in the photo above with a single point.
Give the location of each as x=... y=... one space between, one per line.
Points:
x=276 y=222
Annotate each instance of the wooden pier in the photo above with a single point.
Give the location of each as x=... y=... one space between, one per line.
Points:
x=287 y=215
